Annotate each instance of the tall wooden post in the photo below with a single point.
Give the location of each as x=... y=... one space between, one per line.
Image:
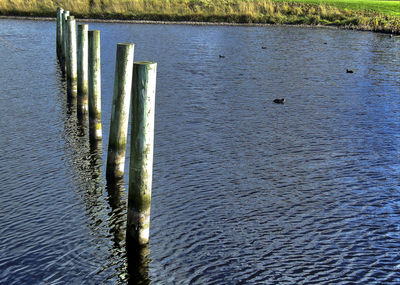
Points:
x=83 y=49
x=65 y=39
x=60 y=12
x=141 y=155
x=120 y=111
x=72 y=75
x=95 y=131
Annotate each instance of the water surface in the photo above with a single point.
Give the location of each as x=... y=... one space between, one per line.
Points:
x=245 y=191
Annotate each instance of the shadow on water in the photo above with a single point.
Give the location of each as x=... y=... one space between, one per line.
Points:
x=105 y=201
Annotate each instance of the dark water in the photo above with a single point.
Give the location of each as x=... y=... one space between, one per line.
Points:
x=245 y=191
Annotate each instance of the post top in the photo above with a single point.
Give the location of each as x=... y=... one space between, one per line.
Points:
x=125 y=44
x=144 y=62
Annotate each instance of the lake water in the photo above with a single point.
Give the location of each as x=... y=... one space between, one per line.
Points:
x=245 y=191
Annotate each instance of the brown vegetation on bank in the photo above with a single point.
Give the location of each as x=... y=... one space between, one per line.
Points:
x=230 y=11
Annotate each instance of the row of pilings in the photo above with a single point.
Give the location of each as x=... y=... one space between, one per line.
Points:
x=78 y=52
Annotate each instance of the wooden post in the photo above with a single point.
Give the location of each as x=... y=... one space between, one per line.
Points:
x=72 y=75
x=95 y=132
x=60 y=12
x=83 y=69
x=141 y=155
x=65 y=38
x=120 y=112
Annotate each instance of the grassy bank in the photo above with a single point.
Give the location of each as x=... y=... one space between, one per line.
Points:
x=375 y=15
x=385 y=7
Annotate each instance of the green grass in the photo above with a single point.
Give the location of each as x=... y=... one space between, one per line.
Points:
x=375 y=15
x=385 y=7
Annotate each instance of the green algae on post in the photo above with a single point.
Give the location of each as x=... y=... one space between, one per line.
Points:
x=72 y=57
x=141 y=154
x=94 y=75
x=120 y=111
x=60 y=12
x=83 y=46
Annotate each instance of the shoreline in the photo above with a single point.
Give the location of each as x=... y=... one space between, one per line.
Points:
x=154 y=22
x=304 y=13
x=192 y=23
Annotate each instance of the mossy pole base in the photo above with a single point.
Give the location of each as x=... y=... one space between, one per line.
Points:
x=83 y=49
x=141 y=155
x=60 y=12
x=94 y=76
x=72 y=75
x=120 y=112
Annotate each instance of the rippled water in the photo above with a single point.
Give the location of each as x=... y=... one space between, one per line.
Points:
x=245 y=191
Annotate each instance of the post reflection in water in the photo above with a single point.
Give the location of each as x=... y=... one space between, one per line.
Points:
x=137 y=256
x=116 y=201
x=71 y=107
x=138 y=263
x=105 y=201
x=83 y=121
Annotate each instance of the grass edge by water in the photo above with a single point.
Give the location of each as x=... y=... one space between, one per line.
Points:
x=258 y=12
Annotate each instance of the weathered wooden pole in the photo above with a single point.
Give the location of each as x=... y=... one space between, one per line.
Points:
x=141 y=155
x=64 y=38
x=120 y=111
x=72 y=75
x=83 y=49
x=59 y=33
x=94 y=75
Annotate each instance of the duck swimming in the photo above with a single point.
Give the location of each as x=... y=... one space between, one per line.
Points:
x=349 y=71
x=279 y=101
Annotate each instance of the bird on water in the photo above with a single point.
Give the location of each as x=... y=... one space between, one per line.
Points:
x=349 y=71
x=279 y=101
